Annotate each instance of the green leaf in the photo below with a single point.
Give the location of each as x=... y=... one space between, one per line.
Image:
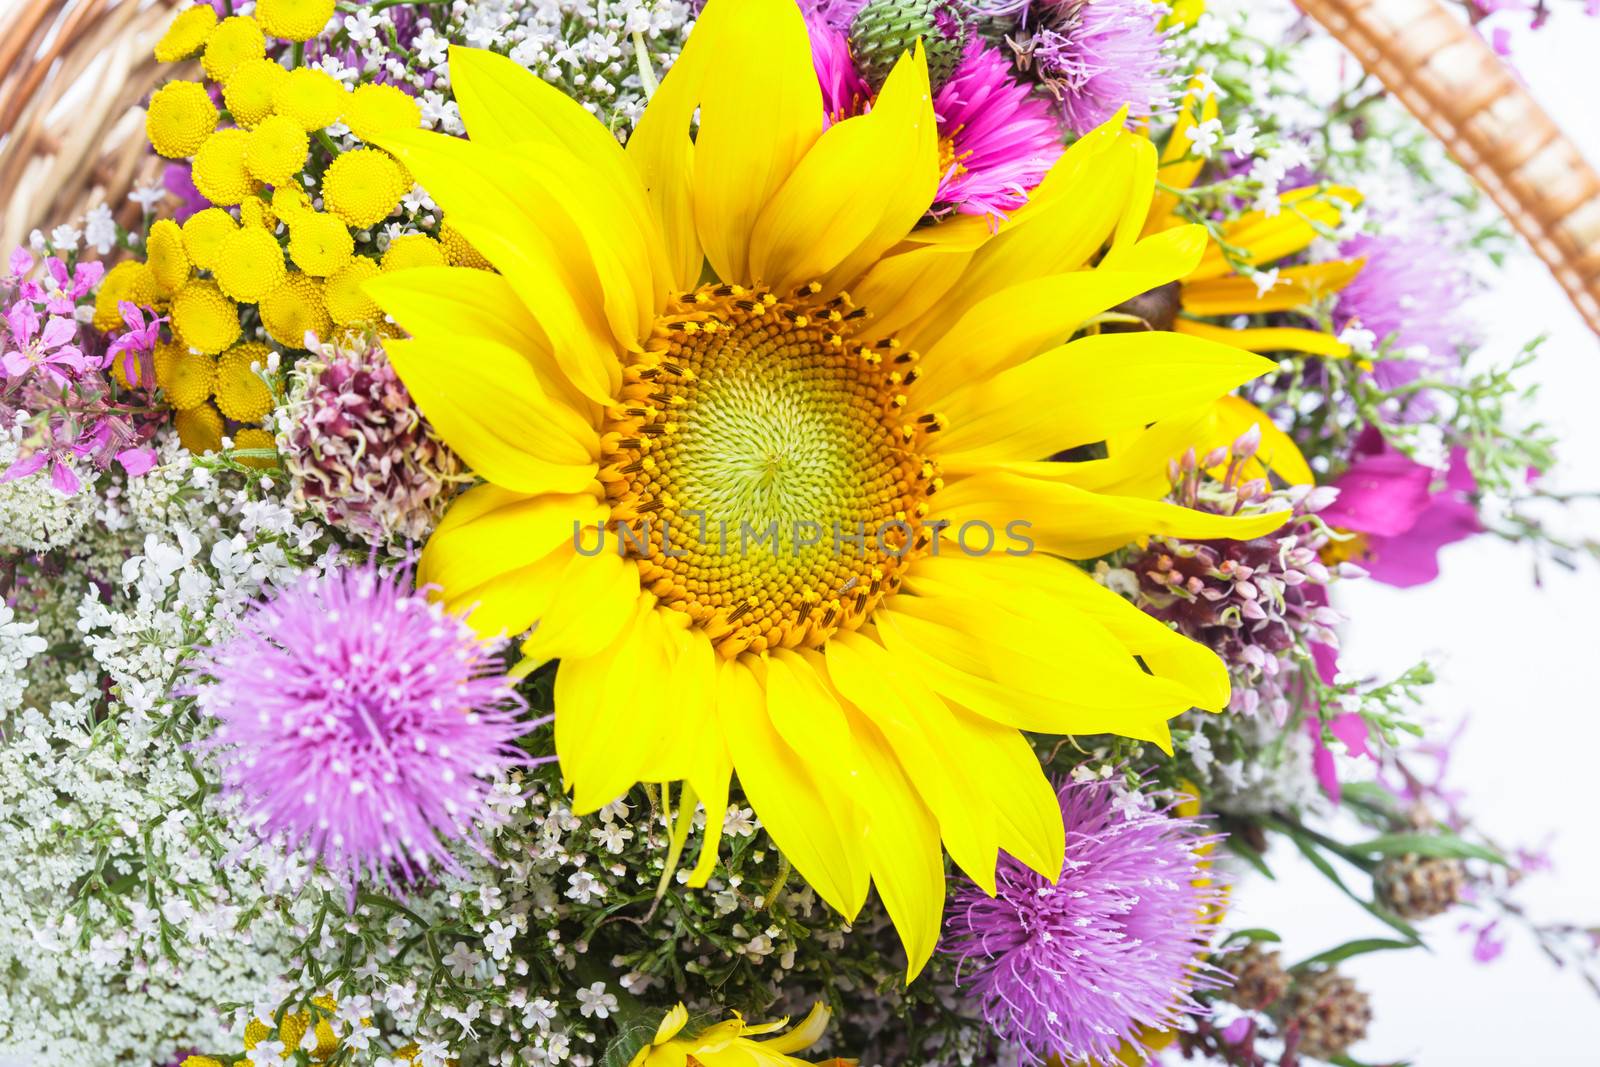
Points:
x=1254 y=934
x=1251 y=856
x=1359 y=947
x=1442 y=845
x=1309 y=849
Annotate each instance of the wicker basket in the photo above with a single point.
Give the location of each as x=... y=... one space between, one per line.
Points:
x=74 y=73
x=73 y=77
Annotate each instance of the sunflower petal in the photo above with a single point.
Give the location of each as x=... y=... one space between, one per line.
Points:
x=593 y=601
x=1294 y=288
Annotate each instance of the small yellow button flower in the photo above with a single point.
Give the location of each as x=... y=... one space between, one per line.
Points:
x=374 y=109
x=190 y=380
x=203 y=234
x=347 y=301
x=240 y=392
x=219 y=171
x=413 y=250
x=203 y=318
x=252 y=438
x=234 y=41
x=319 y=243
x=250 y=264
x=313 y=98
x=294 y=309
x=180 y=118
x=199 y=429
x=129 y=280
x=186 y=32
x=165 y=254
x=277 y=150
x=294 y=20
x=458 y=252
x=166 y=357
x=249 y=91
x=362 y=187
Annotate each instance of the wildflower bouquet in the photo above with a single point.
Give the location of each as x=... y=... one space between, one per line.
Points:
x=585 y=532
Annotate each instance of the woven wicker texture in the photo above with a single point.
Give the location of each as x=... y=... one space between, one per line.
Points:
x=1456 y=85
x=74 y=75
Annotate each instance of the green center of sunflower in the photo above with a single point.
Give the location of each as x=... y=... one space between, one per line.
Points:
x=762 y=467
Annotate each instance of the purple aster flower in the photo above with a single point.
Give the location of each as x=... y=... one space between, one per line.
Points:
x=358 y=718
x=1409 y=293
x=1094 y=56
x=1000 y=139
x=1073 y=969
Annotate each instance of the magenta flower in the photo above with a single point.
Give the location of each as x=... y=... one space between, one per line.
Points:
x=998 y=139
x=1001 y=139
x=59 y=291
x=1070 y=969
x=179 y=181
x=359 y=719
x=1094 y=56
x=136 y=345
x=1404 y=517
x=50 y=350
x=1408 y=293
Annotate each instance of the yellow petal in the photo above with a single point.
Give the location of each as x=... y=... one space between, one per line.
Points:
x=539 y=248
x=1136 y=461
x=1180 y=165
x=804 y=820
x=457 y=303
x=487 y=404
x=1086 y=391
x=593 y=601
x=802 y=1037
x=902 y=288
x=1306 y=213
x=1068 y=521
x=857 y=192
x=993 y=337
x=1277 y=452
x=760 y=112
x=1295 y=287
x=489 y=531
x=671 y=1023
x=1268 y=338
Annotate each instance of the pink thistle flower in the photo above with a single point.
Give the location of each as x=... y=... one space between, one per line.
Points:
x=1000 y=139
x=359 y=719
x=1409 y=293
x=1070 y=969
x=1094 y=56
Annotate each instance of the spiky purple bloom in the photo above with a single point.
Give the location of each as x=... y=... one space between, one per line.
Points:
x=1002 y=139
x=1070 y=970
x=1094 y=56
x=357 y=718
x=1409 y=293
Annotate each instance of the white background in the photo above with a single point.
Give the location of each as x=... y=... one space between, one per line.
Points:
x=1519 y=663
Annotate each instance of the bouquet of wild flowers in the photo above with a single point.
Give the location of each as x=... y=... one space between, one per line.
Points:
x=584 y=532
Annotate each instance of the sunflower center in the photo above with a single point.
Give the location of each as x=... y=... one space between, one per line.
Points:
x=763 y=469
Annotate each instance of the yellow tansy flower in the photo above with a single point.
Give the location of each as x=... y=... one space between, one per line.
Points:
x=250 y=437
x=190 y=380
x=313 y=98
x=458 y=252
x=413 y=250
x=373 y=109
x=249 y=91
x=129 y=280
x=293 y=309
x=345 y=294
x=166 y=357
x=199 y=1061
x=319 y=243
x=240 y=392
x=219 y=171
x=754 y=327
x=203 y=233
x=180 y=118
x=250 y=264
x=199 y=429
x=362 y=187
x=294 y=20
x=186 y=33
x=165 y=254
x=204 y=319
x=277 y=150
x=235 y=40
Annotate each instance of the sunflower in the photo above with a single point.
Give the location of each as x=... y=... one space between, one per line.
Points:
x=698 y=337
x=1215 y=288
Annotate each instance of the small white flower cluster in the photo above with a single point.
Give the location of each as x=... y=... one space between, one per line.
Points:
x=34 y=515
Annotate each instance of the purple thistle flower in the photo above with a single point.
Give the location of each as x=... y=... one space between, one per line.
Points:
x=1094 y=56
x=359 y=719
x=1073 y=969
x=1002 y=139
x=1409 y=293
